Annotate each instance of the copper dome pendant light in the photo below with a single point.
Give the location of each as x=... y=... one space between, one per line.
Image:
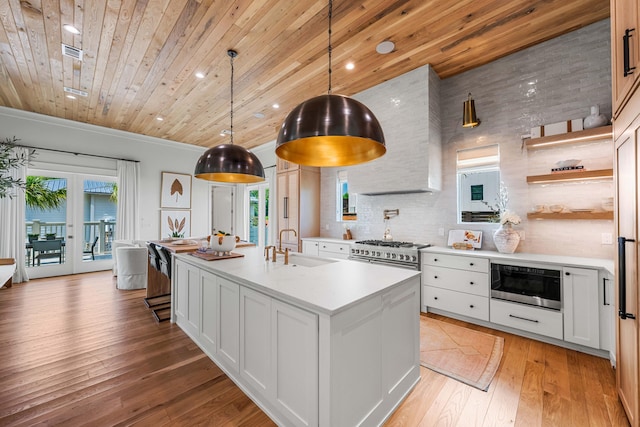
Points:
x=228 y=162
x=330 y=130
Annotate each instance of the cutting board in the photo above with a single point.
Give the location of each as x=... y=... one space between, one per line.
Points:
x=214 y=256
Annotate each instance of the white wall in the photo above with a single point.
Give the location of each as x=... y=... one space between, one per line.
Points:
x=553 y=81
x=155 y=156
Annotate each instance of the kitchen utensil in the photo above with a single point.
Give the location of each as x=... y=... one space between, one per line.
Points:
x=556 y=208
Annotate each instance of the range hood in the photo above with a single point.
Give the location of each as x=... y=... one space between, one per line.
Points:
x=408 y=108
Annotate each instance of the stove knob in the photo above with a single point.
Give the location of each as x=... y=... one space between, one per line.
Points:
x=366 y=252
x=378 y=253
x=414 y=258
x=388 y=255
x=401 y=256
x=393 y=256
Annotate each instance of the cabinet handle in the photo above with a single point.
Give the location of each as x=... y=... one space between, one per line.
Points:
x=471 y=264
x=435 y=260
x=286 y=207
x=471 y=306
x=523 y=318
x=435 y=277
x=625 y=47
x=604 y=291
x=435 y=297
x=471 y=283
x=566 y=273
x=622 y=279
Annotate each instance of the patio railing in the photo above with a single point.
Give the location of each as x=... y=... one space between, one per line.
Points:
x=103 y=229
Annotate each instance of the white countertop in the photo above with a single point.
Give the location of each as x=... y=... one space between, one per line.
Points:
x=329 y=239
x=569 y=261
x=326 y=288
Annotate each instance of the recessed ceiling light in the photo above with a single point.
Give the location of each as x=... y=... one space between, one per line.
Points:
x=385 y=47
x=71 y=97
x=258 y=115
x=159 y=118
x=350 y=66
x=71 y=29
x=200 y=75
x=276 y=105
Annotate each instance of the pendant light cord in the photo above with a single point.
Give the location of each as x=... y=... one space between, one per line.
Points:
x=232 y=54
x=329 y=47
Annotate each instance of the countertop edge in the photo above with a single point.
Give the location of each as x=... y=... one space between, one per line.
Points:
x=569 y=261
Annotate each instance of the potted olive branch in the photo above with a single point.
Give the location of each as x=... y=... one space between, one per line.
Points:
x=10 y=160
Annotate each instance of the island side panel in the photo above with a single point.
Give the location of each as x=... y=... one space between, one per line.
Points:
x=370 y=357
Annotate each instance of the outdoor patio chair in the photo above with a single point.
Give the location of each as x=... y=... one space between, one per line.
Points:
x=47 y=249
x=93 y=247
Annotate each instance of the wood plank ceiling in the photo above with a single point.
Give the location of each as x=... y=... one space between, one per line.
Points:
x=140 y=56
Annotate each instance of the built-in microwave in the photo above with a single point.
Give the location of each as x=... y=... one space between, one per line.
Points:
x=527 y=284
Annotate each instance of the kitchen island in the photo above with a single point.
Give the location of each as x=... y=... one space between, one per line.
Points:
x=318 y=342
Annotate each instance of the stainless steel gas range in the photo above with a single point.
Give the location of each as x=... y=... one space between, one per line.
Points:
x=392 y=253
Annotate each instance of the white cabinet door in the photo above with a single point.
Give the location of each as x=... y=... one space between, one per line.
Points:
x=310 y=247
x=181 y=291
x=255 y=339
x=209 y=309
x=228 y=348
x=187 y=299
x=607 y=315
x=580 y=302
x=294 y=359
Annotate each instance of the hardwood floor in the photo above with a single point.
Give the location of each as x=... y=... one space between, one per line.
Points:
x=76 y=351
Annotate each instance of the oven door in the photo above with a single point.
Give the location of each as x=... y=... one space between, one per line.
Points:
x=533 y=285
x=388 y=263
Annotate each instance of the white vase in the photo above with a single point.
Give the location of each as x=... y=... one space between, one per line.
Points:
x=595 y=119
x=506 y=239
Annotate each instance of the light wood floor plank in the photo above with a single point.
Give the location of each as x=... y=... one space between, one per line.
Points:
x=76 y=351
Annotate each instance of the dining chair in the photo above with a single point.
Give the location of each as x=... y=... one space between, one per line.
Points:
x=93 y=247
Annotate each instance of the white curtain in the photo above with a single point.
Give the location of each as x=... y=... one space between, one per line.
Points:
x=12 y=222
x=270 y=177
x=128 y=206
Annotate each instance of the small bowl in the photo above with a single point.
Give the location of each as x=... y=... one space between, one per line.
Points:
x=538 y=208
x=224 y=244
x=556 y=208
x=568 y=163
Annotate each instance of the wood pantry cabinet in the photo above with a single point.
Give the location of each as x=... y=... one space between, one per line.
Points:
x=625 y=51
x=298 y=195
x=626 y=130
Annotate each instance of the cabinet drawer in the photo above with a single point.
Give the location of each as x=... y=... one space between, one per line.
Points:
x=470 y=282
x=538 y=320
x=456 y=302
x=336 y=248
x=454 y=261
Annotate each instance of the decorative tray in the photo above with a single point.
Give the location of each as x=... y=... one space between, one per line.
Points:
x=214 y=256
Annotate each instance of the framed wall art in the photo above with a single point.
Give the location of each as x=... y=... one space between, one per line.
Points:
x=175 y=191
x=175 y=223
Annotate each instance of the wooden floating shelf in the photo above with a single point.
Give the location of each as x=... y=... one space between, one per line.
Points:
x=571 y=176
x=571 y=215
x=587 y=135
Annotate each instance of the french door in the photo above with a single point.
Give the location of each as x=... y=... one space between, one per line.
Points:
x=258 y=204
x=73 y=234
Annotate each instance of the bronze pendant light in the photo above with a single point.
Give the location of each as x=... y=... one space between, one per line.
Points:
x=330 y=130
x=469 y=118
x=228 y=162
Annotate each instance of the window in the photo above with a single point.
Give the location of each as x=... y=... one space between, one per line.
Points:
x=478 y=171
x=345 y=202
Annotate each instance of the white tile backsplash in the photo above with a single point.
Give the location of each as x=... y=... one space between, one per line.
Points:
x=553 y=81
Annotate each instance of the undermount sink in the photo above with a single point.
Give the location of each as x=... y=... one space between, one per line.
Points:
x=308 y=261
